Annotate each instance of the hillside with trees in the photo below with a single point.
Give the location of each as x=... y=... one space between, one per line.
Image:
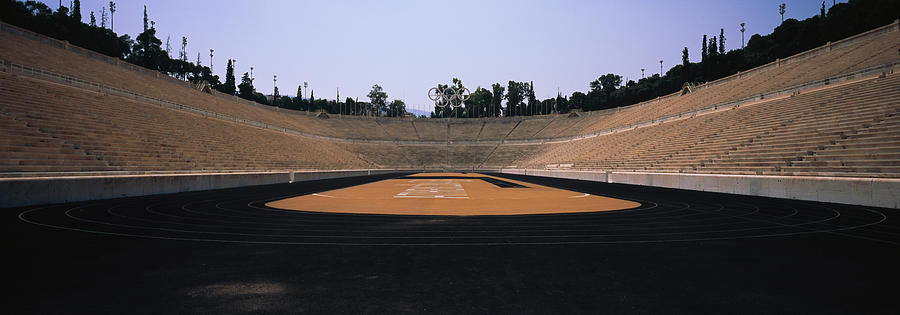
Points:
x=608 y=91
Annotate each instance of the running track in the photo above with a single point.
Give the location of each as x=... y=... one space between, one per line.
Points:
x=223 y=251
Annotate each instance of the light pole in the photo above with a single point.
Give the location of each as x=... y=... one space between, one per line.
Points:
x=274 y=89
x=781 y=10
x=742 y=34
x=305 y=86
x=660 y=68
x=642 y=73
x=251 y=75
x=210 y=60
x=112 y=16
x=308 y=105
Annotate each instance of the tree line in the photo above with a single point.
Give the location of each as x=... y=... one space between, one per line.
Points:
x=607 y=91
x=793 y=36
x=148 y=51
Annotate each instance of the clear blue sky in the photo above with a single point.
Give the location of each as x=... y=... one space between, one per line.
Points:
x=410 y=46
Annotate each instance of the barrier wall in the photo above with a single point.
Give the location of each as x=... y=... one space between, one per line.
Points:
x=17 y=192
x=876 y=192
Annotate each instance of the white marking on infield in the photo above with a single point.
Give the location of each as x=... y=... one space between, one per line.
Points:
x=435 y=188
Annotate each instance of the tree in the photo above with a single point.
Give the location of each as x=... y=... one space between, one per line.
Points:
x=145 y=18
x=704 y=52
x=351 y=106
x=397 y=108
x=606 y=83
x=479 y=103
x=182 y=55
x=148 y=52
x=453 y=108
x=246 y=89
x=561 y=104
x=228 y=87
x=213 y=80
x=600 y=95
x=576 y=101
x=93 y=20
x=456 y=109
x=276 y=97
x=441 y=108
x=285 y=102
x=533 y=104
x=721 y=42
x=515 y=95
x=62 y=15
x=377 y=97
x=496 y=100
x=298 y=102
x=685 y=61
x=76 y=11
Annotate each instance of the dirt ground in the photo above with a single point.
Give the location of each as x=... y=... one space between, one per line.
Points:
x=451 y=194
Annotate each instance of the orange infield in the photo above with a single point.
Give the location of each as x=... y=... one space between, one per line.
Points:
x=451 y=194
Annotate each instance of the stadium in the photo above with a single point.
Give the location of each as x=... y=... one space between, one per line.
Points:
x=774 y=189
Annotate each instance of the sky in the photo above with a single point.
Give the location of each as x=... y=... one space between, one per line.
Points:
x=409 y=46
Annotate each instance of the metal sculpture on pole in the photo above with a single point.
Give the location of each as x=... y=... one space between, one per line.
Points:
x=448 y=97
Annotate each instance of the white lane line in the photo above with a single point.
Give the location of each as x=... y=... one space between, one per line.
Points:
x=582 y=196
x=321 y=195
x=432 y=197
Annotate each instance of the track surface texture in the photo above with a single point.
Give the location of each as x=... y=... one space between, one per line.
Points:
x=223 y=251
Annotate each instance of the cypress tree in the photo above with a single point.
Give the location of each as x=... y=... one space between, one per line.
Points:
x=722 y=42
x=704 y=52
x=76 y=10
x=229 y=78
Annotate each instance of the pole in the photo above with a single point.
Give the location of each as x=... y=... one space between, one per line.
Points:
x=742 y=35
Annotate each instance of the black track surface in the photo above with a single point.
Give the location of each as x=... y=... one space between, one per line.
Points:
x=223 y=251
